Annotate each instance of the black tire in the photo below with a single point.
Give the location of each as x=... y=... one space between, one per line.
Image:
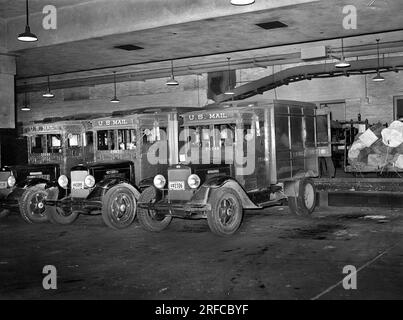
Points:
x=4 y=213
x=119 y=207
x=226 y=213
x=32 y=207
x=61 y=216
x=305 y=203
x=149 y=219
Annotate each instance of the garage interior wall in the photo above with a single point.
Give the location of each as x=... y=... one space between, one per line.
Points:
x=374 y=101
x=7 y=73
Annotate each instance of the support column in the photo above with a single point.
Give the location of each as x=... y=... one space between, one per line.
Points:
x=7 y=105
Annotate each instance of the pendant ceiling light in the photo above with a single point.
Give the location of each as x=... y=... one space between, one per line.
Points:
x=26 y=106
x=378 y=77
x=242 y=2
x=27 y=36
x=115 y=98
x=172 y=81
x=229 y=92
x=48 y=94
x=343 y=62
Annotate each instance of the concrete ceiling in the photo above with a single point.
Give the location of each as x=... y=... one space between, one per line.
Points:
x=14 y=8
x=201 y=40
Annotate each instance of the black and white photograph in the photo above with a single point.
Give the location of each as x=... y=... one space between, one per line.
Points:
x=200 y=156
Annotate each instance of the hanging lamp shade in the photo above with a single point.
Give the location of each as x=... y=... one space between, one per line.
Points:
x=48 y=94
x=343 y=63
x=26 y=106
x=27 y=35
x=378 y=77
x=115 y=98
x=171 y=81
x=242 y=2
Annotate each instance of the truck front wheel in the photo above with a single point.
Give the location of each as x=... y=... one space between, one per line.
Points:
x=119 y=207
x=305 y=203
x=149 y=219
x=226 y=213
x=32 y=205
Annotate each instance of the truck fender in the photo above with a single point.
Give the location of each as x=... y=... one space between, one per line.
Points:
x=32 y=183
x=145 y=183
x=105 y=185
x=55 y=192
x=228 y=182
x=291 y=188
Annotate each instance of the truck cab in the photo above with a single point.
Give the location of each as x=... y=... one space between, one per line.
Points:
x=109 y=185
x=54 y=146
x=236 y=156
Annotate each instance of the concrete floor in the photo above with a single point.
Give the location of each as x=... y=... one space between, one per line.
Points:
x=274 y=256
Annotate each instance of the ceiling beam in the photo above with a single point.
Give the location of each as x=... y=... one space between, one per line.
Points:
x=309 y=72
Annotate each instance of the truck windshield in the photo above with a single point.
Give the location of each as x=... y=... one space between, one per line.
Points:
x=54 y=143
x=47 y=143
x=206 y=142
x=38 y=144
x=121 y=139
x=126 y=139
x=106 y=140
x=74 y=140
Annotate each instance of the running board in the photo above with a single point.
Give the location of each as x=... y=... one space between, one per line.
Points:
x=271 y=203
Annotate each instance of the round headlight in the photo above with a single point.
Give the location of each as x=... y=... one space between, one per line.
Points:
x=11 y=181
x=194 y=181
x=63 y=181
x=159 y=181
x=89 y=181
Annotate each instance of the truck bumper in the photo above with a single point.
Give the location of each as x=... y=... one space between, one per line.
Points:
x=76 y=204
x=185 y=210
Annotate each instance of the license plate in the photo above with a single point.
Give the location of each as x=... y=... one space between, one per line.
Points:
x=77 y=185
x=3 y=185
x=177 y=185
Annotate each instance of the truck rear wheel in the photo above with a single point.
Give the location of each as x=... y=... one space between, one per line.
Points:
x=149 y=219
x=119 y=207
x=305 y=203
x=32 y=205
x=226 y=213
x=61 y=216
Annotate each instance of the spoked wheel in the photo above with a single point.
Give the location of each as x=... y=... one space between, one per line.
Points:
x=226 y=213
x=119 y=207
x=61 y=215
x=32 y=205
x=150 y=219
x=305 y=203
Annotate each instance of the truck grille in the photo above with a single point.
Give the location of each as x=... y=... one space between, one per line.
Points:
x=3 y=179
x=77 y=184
x=178 y=188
